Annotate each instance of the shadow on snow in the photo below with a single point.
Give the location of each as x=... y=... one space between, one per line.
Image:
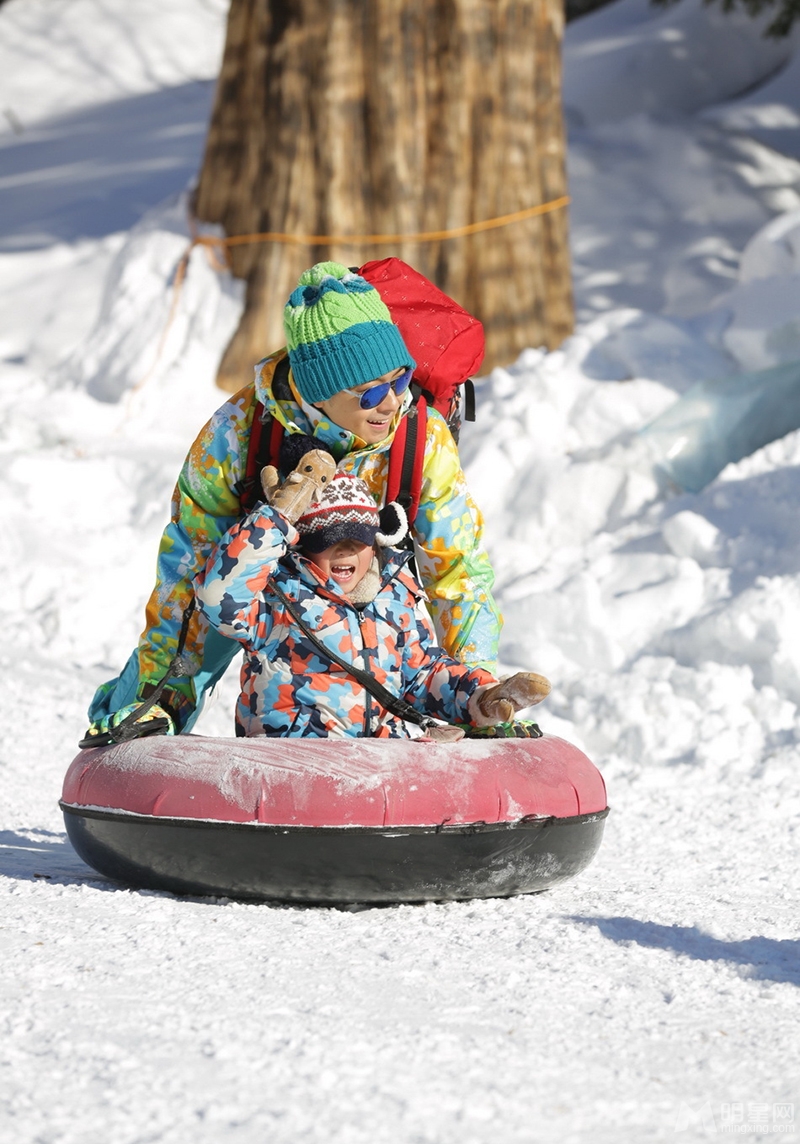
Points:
x=767 y=959
x=96 y=171
x=42 y=854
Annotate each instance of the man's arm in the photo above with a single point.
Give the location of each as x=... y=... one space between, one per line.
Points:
x=453 y=564
x=205 y=504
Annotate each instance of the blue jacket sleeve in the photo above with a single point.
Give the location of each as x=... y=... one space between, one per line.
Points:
x=204 y=505
x=453 y=564
x=435 y=683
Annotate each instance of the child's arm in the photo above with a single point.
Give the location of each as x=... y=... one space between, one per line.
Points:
x=457 y=693
x=435 y=683
x=445 y=688
x=229 y=589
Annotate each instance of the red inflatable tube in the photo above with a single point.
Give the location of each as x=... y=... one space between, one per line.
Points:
x=324 y=820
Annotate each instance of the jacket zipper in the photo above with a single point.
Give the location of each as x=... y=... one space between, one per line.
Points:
x=364 y=649
x=367 y=696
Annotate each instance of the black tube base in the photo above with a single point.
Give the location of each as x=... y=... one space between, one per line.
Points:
x=334 y=865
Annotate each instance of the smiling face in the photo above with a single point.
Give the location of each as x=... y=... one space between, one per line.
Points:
x=371 y=425
x=345 y=562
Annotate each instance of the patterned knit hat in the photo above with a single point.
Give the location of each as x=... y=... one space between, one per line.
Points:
x=346 y=511
x=339 y=333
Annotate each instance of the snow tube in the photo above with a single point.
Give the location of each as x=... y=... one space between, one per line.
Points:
x=336 y=820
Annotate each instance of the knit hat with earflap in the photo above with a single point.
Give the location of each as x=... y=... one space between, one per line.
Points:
x=346 y=511
x=339 y=333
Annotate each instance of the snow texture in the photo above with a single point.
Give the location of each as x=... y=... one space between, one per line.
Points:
x=656 y=996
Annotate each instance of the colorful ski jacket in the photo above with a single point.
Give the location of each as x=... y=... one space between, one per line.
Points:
x=453 y=565
x=288 y=686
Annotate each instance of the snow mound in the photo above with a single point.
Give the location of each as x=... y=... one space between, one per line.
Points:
x=774 y=250
x=634 y=56
x=661 y=212
x=91 y=51
x=762 y=314
x=149 y=322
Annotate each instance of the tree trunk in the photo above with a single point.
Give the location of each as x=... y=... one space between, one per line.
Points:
x=393 y=117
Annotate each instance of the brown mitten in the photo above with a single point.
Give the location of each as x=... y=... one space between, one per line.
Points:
x=499 y=702
x=302 y=487
x=269 y=482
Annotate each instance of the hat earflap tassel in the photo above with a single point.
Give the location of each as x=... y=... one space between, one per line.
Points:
x=394 y=525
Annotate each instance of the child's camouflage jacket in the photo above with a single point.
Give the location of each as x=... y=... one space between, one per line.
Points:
x=288 y=686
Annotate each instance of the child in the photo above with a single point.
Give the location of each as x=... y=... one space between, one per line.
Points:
x=348 y=388
x=354 y=594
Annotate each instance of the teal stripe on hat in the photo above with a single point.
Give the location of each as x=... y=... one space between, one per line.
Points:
x=359 y=354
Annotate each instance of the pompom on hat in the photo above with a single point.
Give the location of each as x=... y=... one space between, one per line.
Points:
x=339 y=333
x=346 y=511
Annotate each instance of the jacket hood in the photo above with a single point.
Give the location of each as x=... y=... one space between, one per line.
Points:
x=286 y=407
x=393 y=563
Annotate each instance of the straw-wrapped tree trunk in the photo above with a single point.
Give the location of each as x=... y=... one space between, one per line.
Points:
x=364 y=117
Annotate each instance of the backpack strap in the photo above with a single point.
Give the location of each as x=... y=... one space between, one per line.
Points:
x=461 y=406
x=131 y=726
x=469 y=400
x=406 y=458
x=266 y=435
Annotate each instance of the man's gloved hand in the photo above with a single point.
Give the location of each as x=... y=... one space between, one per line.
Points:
x=303 y=485
x=155 y=721
x=499 y=702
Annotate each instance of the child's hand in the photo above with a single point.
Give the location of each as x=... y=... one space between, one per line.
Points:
x=302 y=487
x=499 y=702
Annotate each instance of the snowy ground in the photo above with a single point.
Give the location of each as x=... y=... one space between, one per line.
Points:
x=656 y=997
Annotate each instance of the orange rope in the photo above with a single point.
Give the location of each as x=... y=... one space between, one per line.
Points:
x=382 y=239
x=211 y=241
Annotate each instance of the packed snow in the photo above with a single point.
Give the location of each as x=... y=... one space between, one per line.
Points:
x=656 y=996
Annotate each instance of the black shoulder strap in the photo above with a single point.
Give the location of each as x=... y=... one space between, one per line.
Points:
x=469 y=400
x=281 y=389
x=266 y=435
x=131 y=726
x=406 y=494
x=391 y=702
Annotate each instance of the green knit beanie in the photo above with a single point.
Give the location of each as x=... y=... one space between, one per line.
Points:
x=339 y=333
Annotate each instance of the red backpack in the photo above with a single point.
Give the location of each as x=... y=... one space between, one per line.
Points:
x=447 y=344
